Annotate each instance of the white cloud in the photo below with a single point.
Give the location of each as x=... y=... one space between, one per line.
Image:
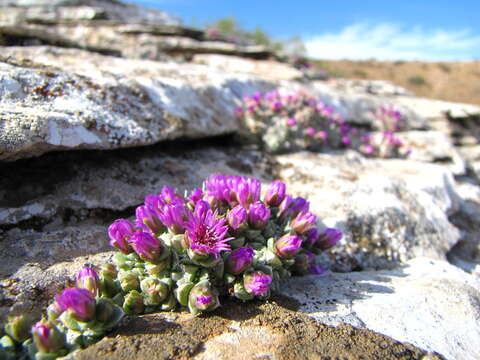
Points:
x=393 y=42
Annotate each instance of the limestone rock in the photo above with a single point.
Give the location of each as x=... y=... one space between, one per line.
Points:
x=430 y=304
x=434 y=147
x=46 y=11
x=244 y=331
x=73 y=99
x=390 y=210
x=266 y=69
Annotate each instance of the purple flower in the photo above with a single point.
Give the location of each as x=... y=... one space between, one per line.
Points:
x=148 y=220
x=320 y=106
x=248 y=191
x=48 y=339
x=257 y=283
x=304 y=222
x=312 y=236
x=299 y=205
x=203 y=297
x=329 y=238
x=79 y=302
x=277 y=105
x=258 y=215
x=201 y=208
x=237 y=217
x=346 y=141
x=120 y=232
x=287 y=246
x=285 y=208
x=170 y=196
x=275 y=193
x=148 y=247
x=368 y=149
x=205 y=233
x=322 y=135
x=203 y=300
x=172 y=216
x=217 y=186
x=87 y=278
x=291 y=122
x=310 y=131
x=239 y=260
x=195 y=196
x=154 y=203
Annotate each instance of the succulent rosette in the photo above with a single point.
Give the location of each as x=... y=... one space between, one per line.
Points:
x=228 y=238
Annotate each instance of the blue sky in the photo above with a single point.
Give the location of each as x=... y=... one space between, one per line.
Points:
x=421 y=29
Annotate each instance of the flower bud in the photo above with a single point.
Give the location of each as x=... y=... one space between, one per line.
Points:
x=18 y=327
x=248 y=191
x=133 y=303
x=312 y=236
x=128 y=281
x=148 y=247
x=154 y=291
x=275 y=193
x=195 y=196
x=257 y=283
x=79 y=302
x=108 y=313
x=172 y=216
x=170 y=196
x=108 y=270
x=203 y=297
x=304 y=222
x=54 y=311
x=148 y=220
x=328 y=238
x=237 y=218
x=303 y=262
x=47 y=337
x=87 y=278
x=258 y=215
x=239 y=260
x=120 y=232
x=287 y=246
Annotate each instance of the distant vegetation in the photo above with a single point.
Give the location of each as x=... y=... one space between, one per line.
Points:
x=417 y=80
x=450 y=81
x=230 y=29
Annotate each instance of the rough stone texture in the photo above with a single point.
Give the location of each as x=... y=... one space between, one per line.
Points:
x=64 y=214
x=430 y=304
x=242 y=331
x=48 y=11
x=72 y=99
x=375 y=87
x=390 y=210
x=434 y=147
x=267 y=69
x=466 y=254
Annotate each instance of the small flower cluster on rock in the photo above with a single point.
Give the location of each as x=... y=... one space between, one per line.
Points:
x=227 y=239
x=291 y=122
x=386 y=144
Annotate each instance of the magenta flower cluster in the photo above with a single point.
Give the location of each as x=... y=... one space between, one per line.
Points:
x=297 y=121
x=230 y=237
x=387 y=143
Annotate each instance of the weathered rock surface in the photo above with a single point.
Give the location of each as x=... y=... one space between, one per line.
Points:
x=433 y=147
x=430 y=304
x=272 y=330
x=50 y=12
x=72 y=99
x=390 y=210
